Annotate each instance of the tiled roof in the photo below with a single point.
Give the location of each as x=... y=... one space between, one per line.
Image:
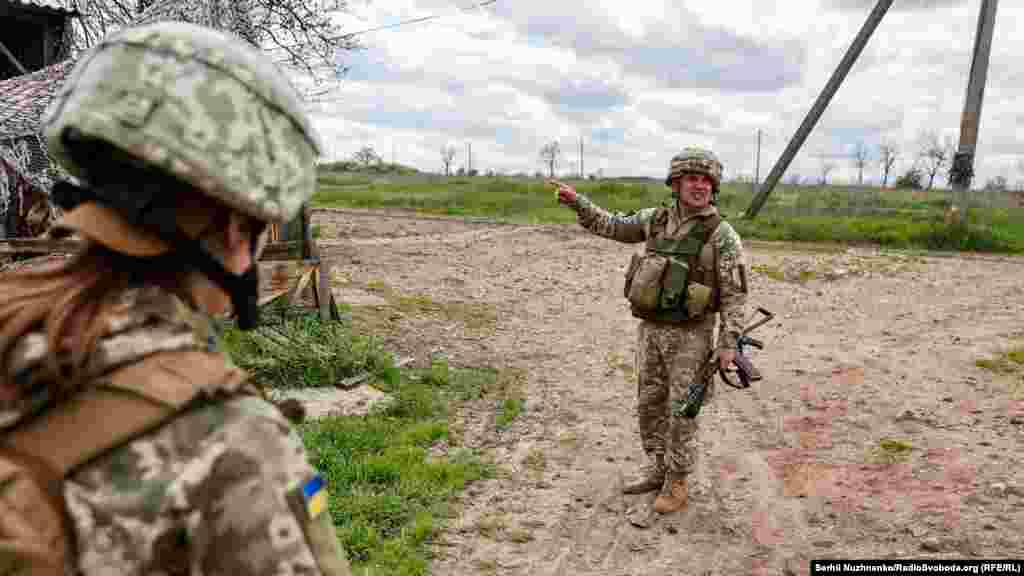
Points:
x=48 y=4
x=24 y=98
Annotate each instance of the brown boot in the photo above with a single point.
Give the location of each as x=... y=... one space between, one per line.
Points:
x=650 y=478
x=673 y=494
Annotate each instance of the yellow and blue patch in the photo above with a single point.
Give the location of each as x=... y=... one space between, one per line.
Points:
x=314 y=496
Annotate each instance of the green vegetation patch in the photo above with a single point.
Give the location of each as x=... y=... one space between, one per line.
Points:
x=389 y=494
x=891 y=451
x=1009 y=366
x=837 y=214
x=301 y=351
x=479 y=318
x=388 y=497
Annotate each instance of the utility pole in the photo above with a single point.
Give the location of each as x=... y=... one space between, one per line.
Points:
x=819 y=106
x=581 y=157
x=757 y=163
x=962 y=171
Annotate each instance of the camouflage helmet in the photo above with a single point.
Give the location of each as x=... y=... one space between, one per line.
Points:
x=699 y=160
x=197 y=104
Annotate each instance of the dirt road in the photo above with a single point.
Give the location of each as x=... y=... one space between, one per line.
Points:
x=874 y=433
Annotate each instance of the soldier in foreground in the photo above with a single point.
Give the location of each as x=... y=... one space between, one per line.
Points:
x=129 y=444
x=692 y=266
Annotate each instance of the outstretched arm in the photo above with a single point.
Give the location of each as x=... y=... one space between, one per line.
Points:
x=629 y=228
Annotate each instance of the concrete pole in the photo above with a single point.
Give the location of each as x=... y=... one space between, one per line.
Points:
x=757 y=162
x=819 y=106
x=962 y=171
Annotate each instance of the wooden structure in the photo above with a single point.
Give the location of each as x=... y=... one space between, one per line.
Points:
x=304 y=271
x=33 y=35
x=34 y=43
x=294 y=243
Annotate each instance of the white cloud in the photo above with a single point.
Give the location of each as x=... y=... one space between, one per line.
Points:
x=638 y=80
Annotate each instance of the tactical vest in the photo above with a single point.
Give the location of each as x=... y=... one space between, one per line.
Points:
x=669 y=283
x=36 y=536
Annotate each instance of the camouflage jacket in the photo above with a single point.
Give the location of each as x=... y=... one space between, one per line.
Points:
x=212 y=491
x=732 y=263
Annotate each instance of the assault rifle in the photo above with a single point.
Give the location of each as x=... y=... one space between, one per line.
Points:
x=691 y=405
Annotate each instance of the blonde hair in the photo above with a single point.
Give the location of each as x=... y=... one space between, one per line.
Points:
x=70 y=302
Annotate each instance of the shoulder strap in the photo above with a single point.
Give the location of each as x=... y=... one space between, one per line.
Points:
x=710 y=225
x=122 y=405
x=657 y=222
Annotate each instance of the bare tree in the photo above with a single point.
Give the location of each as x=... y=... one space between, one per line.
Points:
x=826 y=169
x=887 y=154
x=860 y=160
x=366 y=156
x=447 y=156
x=550 y=154
x=1019 y=185
x=297 y=33
x=934 y=155
x=997 y=184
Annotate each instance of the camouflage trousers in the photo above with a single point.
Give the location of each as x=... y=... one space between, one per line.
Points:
x=668 y=359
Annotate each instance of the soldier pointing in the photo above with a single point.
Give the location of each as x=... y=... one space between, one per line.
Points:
x=692 y=270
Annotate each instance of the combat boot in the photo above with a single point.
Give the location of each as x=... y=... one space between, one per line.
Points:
x=673 y=494
x=650 y=478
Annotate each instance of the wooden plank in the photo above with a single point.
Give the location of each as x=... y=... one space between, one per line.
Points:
x=273 y=250
x=38 y=245
x=280 y=251
x=323 y=291
x=303 y=280
x=273 y=296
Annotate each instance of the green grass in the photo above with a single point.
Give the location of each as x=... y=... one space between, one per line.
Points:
x=891 y=451
x=388 y=496
x=388 y=499
x=300 y=351
x=891 y=218
x=1009 y=365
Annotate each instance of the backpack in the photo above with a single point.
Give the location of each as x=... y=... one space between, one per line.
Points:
x=36 y=537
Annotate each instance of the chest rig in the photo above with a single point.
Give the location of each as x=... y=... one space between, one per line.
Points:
x=668 y=283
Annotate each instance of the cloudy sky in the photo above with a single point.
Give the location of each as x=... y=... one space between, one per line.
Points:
x=638 y=80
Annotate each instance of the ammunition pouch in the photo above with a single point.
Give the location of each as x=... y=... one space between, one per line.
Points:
x=660 y=284
x=643 y=286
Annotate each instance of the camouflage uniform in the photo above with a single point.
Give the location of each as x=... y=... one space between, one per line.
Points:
x=205 y=493
x=218 y=489
x=669 y=355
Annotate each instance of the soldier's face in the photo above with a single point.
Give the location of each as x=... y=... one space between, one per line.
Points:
x=693 y=190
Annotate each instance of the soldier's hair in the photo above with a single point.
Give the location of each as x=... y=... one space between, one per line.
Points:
x=70 y=301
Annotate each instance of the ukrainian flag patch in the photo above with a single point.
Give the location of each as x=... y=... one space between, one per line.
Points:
x=314 y=496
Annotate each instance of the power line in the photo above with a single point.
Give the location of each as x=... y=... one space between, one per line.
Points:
x=389 y=26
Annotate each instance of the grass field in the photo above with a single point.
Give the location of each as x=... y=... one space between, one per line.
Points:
x=891 y=218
